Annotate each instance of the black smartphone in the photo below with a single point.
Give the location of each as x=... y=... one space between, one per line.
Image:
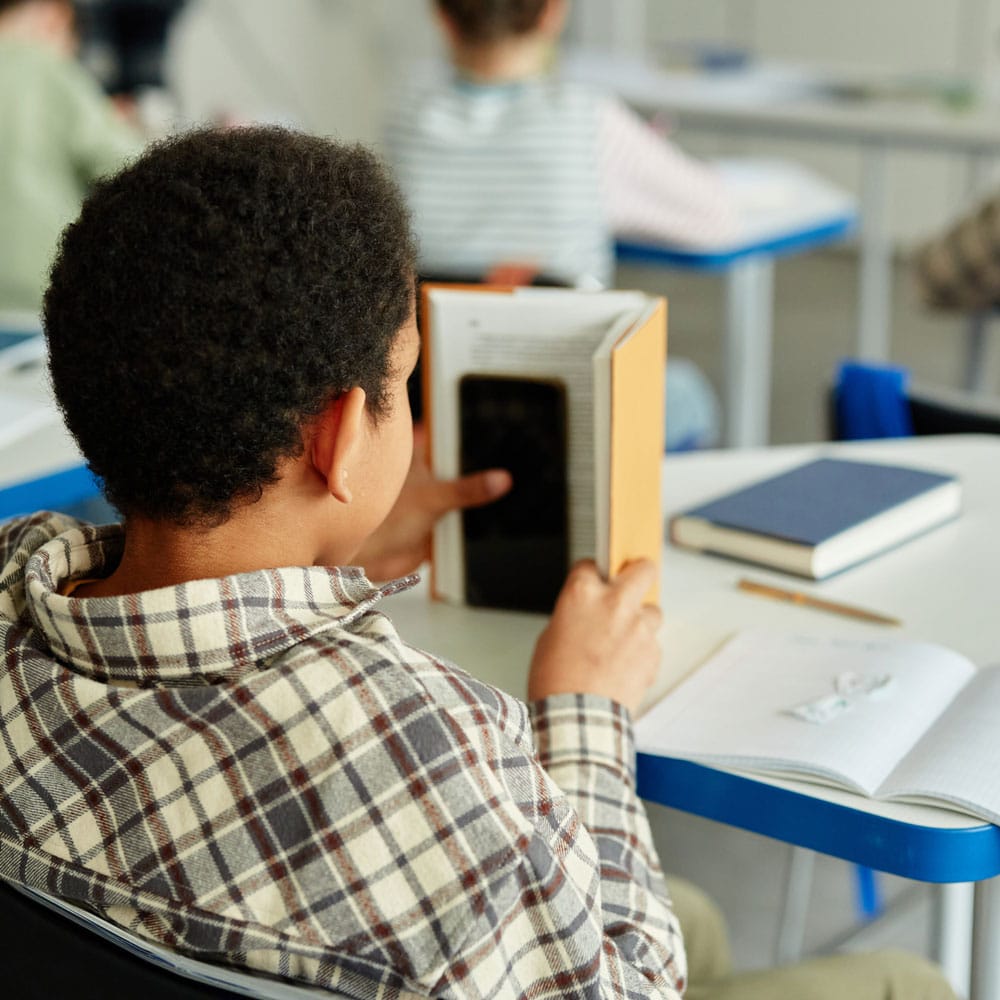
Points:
x=516 y=549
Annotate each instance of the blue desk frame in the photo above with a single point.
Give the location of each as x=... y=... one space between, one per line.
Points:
x=631 y=252
x=928 y=854
x=749 y=273
x=56 y=490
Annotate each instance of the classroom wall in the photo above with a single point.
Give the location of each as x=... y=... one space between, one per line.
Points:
x=328 y=66
x=322 y=65
x=957 y=38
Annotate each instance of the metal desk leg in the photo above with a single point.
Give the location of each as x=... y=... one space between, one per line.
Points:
x=978 y=181
x=795 y=906
x=985 y=983
x=976 y=330
x=749 y=310
x=875 y=295
x=951 y=932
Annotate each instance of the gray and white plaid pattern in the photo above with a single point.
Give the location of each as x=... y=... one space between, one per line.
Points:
x=256 y=770
x=959 y=268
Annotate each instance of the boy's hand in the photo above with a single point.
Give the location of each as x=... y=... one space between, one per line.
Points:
x=403 y=541
x=601 y=638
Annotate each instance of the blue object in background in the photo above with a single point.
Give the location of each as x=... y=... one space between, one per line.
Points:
x=869 y=894
x=72 y=491
x=693 y=416
x=871 y=401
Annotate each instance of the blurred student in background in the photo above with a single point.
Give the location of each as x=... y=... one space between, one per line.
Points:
x=958 y=269
x=505 y=163
x=58 y=133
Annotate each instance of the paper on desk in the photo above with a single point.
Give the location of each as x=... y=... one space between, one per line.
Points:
x=774 y=197
x=22 y=415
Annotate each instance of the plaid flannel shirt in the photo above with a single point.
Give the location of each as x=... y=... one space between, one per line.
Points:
x=959 y=268
x=257 y=771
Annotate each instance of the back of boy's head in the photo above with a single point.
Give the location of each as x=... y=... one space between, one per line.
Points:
x=210 y=300
x=483 y=21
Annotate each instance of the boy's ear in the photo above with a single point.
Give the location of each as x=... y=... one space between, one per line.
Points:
x=338 y=432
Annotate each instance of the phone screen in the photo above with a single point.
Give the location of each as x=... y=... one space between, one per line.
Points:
x=517 y=548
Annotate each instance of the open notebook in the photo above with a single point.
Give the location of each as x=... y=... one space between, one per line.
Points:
x=885 y=718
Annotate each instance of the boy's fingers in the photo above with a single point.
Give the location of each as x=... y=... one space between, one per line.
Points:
x=634 y=579
x=473 y=490
x=652 y=615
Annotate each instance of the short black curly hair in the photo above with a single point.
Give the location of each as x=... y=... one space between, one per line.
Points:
x=484 y=21
x=211 y=299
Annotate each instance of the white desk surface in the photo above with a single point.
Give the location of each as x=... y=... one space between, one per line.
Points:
x=49 y=449
x=943 y=585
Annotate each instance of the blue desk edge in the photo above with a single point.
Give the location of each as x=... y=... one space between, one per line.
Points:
x=52 y=491
x=636 y=252
x=928 y=854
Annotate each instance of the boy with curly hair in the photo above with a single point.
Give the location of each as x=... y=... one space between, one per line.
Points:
x=209 y=732
x=211 y=735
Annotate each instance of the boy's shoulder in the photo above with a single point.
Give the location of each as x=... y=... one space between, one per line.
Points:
x=379 y=667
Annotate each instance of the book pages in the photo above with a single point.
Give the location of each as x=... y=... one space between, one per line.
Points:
x=957 y=761
x=530 y=333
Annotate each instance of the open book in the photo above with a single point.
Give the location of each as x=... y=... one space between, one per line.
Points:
x=885 y=718
x=565 y=389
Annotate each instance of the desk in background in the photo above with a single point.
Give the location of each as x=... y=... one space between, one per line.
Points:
x=943 y=586
x=783 y=209
x=793 y=106
x=42 y=469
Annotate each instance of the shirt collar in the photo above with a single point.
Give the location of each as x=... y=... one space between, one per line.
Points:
x=203 y=631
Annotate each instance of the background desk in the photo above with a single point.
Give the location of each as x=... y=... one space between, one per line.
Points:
x=44 y=468
x=783 y=209
x=731 y=103
x=944 y=588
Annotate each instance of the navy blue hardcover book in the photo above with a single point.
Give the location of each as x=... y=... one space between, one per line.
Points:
x=819 y=518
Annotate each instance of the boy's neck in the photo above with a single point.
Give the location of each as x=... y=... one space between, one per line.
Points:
x=507 y=61
x=160 y=555
x=276 y=531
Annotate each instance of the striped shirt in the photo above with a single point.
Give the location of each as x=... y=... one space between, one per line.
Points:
x=257 y=771
x=543 y=172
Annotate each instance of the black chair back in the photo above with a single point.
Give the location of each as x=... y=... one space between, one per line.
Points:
x=48 y=955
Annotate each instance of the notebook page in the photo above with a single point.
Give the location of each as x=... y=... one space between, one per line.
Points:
x=733 y=710
x=957 y=761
